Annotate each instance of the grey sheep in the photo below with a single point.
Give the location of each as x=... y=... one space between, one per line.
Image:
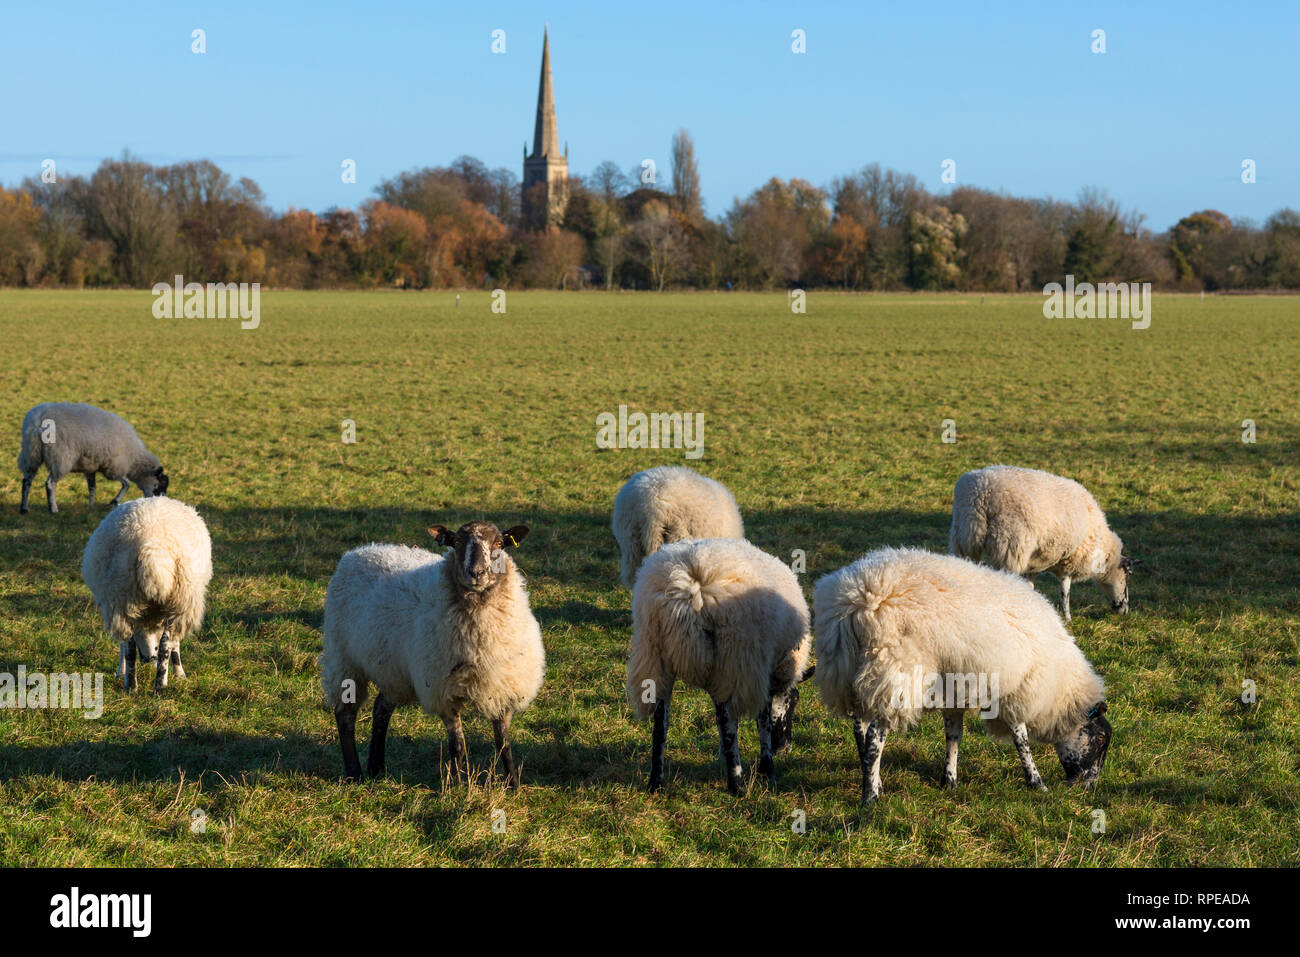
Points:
x=73 y=437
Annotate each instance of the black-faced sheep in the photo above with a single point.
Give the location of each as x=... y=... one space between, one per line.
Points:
x=1026 y=521
x=670 y=503
x=902 y=631
x=72 y=437
x=720 y=615
x=443 y=632
x=148 y=565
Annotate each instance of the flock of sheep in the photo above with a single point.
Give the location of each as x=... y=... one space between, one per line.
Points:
x=455 y=631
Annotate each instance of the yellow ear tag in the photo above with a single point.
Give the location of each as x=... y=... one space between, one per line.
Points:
x=513 y=543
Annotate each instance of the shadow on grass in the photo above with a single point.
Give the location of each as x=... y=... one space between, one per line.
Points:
x=1188 y=559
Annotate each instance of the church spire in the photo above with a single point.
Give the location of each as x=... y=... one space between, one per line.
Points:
x=546 y=136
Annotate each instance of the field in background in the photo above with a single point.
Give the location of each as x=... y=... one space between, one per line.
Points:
x=826 y=426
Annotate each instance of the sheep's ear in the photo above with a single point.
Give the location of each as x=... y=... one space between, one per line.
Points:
x=1097 y=710
x=513 y=536
x=441 y=534
x=808 y=673
x=158 y=471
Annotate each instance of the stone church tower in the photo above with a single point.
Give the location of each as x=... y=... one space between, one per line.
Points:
x=546 y=172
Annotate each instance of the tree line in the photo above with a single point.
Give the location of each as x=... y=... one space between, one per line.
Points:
x=461 y=226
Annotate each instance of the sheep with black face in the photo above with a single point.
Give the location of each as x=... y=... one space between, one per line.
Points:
x=898 y=622
x=72 y=437
x=722 y=615
x=446 y=632
x=1027 y=521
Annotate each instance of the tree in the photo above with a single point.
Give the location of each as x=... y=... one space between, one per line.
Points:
x=126 y=205
x=932 y=244
x=397 y=245
x=686 y=177
x=659 y=242
x=556 y=255
x=777 y=228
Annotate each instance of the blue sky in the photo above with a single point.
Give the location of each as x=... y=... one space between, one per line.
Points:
x=1010 y=91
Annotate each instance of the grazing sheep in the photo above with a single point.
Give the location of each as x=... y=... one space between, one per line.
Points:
x=442 y=632
x=901 y=631
x=1026 y=521
x=72 y=437
x=670 y=503
x=723 y=616
x=148 y=565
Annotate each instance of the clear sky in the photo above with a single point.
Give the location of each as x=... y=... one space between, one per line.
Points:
x=1011 y=91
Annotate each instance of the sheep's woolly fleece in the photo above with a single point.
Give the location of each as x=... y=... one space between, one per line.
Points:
x=84 y=436
x=1027 y=521
x=149 y=562
x=721 y=615
x=392 y=617
x=895 y=612
x=670 y=503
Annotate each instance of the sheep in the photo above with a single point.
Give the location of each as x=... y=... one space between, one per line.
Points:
x=723 y=616
x=443 y=631
x=902 y=630
x=1026 y=521
x=148 y=565
x=670 y=503
x=73 y=437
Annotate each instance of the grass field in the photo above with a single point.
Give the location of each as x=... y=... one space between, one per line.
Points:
x=826 y=426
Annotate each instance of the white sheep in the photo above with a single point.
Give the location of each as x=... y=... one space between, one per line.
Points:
x=443 y=632
x=724 y=616
x=670 y=503
x=901 y=631
x=148 y=565
x=1026 y=521
x=72 y=437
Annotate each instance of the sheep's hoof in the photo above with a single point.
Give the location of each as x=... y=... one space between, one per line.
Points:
x=655 y=785
x=870 y=799
x=23 y=509
x=1037 y=785
x=949 y=782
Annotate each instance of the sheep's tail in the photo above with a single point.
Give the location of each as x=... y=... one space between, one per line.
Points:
x=31 y=454
x=672 y=635
x=155 y=572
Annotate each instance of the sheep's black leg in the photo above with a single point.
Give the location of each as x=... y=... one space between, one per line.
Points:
x=27 y=490
x=130 y=683
x=783 y=702
x=51 y=483
x=164 y=660
x=378 y=736
x=729 y=747
x=1021 y=738
x=501 y=736
x=1065 y=598
x=90 y=489
x=178 y=672
x=120 y=492
x=766 y=767
x=952 y=725
x=871 y=744
x=659 y=741
x=456 y=745
x=346 y=717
